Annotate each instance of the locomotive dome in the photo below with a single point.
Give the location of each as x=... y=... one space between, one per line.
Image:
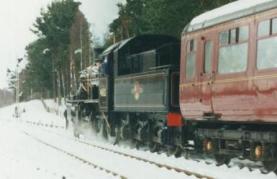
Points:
x=229 y=12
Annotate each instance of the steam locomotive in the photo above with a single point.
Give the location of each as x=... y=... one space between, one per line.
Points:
x=213 y=92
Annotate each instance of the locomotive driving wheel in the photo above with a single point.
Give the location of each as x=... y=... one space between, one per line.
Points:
x=174 y=150
x=154 y=147
x=98 y=125
x=178 y=151
x=110 y=132
x=113 y=134
x=170 y=150
x=138 y=144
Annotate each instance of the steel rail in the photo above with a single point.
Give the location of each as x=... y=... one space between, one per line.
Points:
x=179 y=170
x=168 y=167
x=95 y=166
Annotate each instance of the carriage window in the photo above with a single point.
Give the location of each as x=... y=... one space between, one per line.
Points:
x=266 y=46
x=233 y=56
x=266 y=53
x=190 y=60
x=243 y=33
x=224 y=38
x=274 y=25
x=264 y=28
x=208 y=56
x=234 y=36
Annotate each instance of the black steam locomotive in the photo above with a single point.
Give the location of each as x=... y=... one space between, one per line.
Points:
x=134 y=95
x=227 y=87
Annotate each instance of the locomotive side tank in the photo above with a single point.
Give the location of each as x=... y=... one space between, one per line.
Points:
x=143 y=81
x=229 y=80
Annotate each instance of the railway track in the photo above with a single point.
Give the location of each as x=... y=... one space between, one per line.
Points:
x=94 y=166
x=252 y=169
x=179 y=170
x=133 y=157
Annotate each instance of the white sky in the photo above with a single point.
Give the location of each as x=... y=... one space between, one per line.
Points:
x=17 y=17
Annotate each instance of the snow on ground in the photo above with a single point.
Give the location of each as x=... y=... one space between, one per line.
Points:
x=201 y=167
x=54 y=107
x=23 y=157
x=126 y=166
x=32 y=112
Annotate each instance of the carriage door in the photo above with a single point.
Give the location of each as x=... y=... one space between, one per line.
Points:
x=206 y=74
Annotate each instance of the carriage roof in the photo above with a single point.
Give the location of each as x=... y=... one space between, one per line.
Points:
x=229 y=12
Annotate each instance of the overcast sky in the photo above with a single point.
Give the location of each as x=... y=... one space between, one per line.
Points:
x=17 y=17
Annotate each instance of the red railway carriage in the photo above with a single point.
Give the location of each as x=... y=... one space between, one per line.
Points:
x=228 y=81
x=229 y=64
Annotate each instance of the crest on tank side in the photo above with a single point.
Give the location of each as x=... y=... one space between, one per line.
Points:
x=137 y=90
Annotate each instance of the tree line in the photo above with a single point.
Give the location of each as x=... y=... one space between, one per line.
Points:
x=168 y=17
x=64 y=43
x=62 y=49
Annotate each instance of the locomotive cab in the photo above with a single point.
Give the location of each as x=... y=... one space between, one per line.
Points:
x=139 y=96
x=146 y=88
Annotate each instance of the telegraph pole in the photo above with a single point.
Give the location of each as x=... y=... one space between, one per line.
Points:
x=81 y=44
x=17 y=93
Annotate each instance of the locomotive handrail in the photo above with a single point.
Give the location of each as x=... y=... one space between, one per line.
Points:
x=160 y=67
x=152 y=72
x=83 y=101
